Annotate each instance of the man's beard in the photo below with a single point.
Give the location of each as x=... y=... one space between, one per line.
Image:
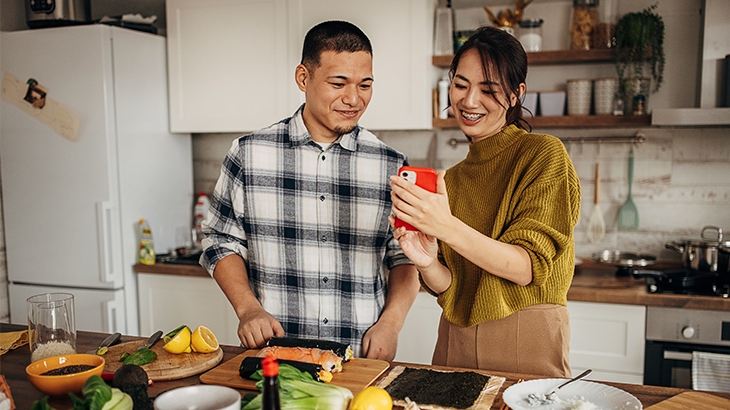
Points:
x=343 y=130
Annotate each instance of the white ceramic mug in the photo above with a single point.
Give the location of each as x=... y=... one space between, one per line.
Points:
x=579 y=96
x=604 y=91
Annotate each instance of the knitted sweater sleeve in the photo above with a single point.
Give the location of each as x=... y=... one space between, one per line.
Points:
x=546 y=206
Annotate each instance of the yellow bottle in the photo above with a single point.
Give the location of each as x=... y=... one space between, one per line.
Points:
x=146 y=245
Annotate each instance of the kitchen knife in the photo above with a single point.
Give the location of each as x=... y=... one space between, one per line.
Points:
x=152 y=340
x=110 y=340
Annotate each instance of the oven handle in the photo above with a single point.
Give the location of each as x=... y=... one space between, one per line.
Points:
x=672 y=355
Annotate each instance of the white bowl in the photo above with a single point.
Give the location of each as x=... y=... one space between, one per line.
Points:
x=200 y=397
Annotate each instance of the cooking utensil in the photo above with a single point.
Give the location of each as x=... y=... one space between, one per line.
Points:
x=110 y=340
x=152 y=340
x=701 y=254
x=550 y=397
x=596 y=225
x=628 y=215
x=624 y=261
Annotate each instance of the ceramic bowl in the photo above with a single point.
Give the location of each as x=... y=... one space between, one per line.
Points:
x=67 y=383
x=199 y=397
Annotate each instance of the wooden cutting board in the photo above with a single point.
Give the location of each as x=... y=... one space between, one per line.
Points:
x=356 y=374
x=167 y=366
x=692 y=401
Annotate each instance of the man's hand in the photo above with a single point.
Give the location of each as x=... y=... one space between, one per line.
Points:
x=380 y=342
x=256 y=327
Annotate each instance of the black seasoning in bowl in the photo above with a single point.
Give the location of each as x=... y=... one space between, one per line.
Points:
x=74 y=368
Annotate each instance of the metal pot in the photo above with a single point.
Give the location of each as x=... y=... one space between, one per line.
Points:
x=700 y=254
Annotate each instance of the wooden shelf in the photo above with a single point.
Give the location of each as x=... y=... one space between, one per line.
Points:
x=549 y=57
x=570 y=121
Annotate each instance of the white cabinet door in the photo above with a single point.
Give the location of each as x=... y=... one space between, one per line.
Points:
x=167 y=301
x=608 y=338
x=227 y=63
x=417 y=339
x=401 y=33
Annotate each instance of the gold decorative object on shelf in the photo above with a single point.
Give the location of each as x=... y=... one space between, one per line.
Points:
x=507 y=18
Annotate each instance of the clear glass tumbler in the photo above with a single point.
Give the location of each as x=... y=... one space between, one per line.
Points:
x=51 y=325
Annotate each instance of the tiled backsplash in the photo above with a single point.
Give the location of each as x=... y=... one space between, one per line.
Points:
x=681 y=178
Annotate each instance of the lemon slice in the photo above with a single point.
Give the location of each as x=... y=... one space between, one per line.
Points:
x=178 y=342
x=203 y=340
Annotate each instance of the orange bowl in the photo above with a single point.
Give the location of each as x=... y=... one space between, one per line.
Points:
x=67 y=383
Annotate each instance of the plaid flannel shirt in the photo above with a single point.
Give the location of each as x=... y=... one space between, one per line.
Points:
x=311 y=226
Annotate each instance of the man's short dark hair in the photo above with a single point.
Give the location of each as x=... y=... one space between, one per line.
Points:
x=337 y=36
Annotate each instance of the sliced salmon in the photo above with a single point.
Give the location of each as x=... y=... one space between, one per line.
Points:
x=326 y=358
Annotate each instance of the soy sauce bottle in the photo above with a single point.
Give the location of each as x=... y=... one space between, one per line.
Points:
x=270 y=390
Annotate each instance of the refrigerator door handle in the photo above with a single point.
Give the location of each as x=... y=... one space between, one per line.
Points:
x=103 y=224
x=110 y=309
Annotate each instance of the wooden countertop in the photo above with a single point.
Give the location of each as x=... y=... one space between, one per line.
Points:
x=24 y=394
x=592 y=282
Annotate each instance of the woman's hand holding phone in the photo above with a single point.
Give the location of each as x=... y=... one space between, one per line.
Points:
x=424 y=178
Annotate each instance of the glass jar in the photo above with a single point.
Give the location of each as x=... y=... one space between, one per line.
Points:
x=605 y=33
x=531 y=34
x=583 y=25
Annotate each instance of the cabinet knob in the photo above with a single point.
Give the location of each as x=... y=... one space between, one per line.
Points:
x=688 y=332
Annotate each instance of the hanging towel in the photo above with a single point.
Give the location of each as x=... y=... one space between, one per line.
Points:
x=710 y=371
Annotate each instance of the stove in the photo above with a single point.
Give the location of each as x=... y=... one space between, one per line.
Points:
x=685 y=281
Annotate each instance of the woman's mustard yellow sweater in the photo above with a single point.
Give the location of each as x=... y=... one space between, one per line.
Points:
x=519 y=188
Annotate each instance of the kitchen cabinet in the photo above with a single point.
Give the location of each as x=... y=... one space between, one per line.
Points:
x=167 y=301
x=561 y=57
x=228 y=64
x=232 y=62
x=608 y=338
x=417 y=338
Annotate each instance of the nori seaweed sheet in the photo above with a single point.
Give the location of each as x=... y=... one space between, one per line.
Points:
x=457 y=390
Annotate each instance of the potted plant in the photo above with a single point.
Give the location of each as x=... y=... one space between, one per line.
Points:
x=639 y=43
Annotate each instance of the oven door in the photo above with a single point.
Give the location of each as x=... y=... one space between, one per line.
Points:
x=670 y=364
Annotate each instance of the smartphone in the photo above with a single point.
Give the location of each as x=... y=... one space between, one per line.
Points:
x=423 y=177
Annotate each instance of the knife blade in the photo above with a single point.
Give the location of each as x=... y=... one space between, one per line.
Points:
x=152 y=340
x=110 y=340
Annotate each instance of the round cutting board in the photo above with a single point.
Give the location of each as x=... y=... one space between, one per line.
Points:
x=167 y=366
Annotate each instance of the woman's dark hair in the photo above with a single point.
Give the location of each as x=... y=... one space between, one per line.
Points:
x=337 y=36
x=503 y=55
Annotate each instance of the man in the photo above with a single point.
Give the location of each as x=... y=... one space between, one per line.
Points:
x=297 y=236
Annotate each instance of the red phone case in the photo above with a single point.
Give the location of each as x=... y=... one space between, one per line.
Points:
x=424 y=177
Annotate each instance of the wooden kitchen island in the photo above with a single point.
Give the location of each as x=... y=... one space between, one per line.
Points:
x=14 y=362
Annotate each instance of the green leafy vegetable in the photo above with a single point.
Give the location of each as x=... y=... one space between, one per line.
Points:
x=139 y=357
x=299 y=391
x=97 y=396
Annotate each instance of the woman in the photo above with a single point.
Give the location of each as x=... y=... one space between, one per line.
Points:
x=496 y=239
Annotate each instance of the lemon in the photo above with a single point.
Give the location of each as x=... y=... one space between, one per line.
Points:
x=372 y=398
x=203 y=340
x=178 y=341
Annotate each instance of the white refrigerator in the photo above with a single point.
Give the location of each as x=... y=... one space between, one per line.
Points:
x=71 y=208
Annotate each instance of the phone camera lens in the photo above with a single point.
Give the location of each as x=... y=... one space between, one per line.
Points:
x=405 y=175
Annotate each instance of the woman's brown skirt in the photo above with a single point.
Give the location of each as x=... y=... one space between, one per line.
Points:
x=533 y=340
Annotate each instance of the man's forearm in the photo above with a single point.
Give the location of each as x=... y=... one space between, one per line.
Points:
x=231 y=275
x=403 y=287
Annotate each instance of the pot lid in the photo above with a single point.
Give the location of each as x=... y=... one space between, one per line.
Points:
x=624 y=259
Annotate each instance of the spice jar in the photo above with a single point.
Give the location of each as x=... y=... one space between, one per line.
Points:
x=531 y=34
x=583 y=25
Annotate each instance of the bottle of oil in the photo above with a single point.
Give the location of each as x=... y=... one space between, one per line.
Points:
x=146 y=245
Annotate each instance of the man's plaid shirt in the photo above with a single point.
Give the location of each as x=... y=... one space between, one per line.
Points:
x=311 y=225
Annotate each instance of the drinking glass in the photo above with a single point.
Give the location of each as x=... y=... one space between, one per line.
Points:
x=51 y=325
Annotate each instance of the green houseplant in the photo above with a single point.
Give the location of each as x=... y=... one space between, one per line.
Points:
x=639 y=44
